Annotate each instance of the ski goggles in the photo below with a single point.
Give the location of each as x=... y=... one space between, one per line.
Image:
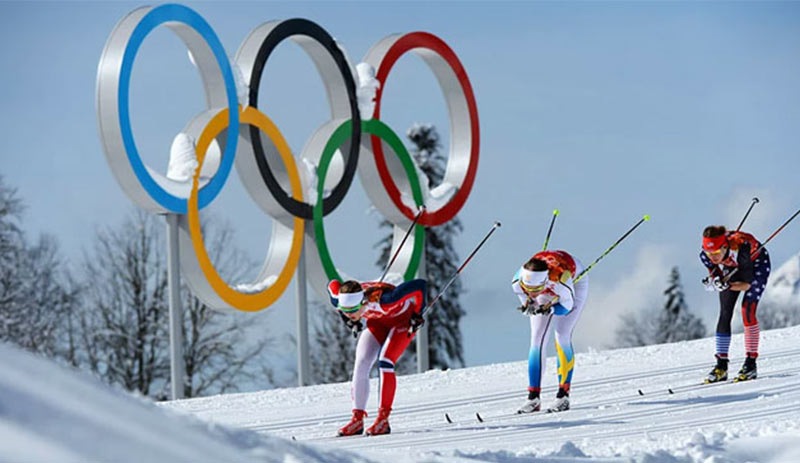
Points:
x=715 y=252
x=532 y=289
x=353 y=309
x=536 y=280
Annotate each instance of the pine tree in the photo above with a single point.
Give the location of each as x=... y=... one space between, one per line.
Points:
x=672 y=323
x=441 y=262
x=675 y=322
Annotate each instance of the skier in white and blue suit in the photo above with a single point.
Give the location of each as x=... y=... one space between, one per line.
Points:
x=551 y=297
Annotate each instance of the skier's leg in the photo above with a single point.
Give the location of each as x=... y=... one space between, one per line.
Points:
x=540 y=331
x=564 y=327
x=727 y=301
x=749 y=306
x=750 y=303
x=366 y=354
x=394 y=346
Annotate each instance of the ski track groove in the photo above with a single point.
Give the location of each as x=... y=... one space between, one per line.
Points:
x=550 y=426
x=419 y=419
x=512 y=395
x=502 y=425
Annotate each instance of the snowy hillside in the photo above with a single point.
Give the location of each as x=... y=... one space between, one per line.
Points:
x=784 y=283
x=623 y=410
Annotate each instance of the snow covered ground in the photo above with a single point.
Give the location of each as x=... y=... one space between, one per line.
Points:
x=623 y=410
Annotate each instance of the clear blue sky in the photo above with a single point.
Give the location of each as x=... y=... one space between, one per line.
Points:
x=604 y=110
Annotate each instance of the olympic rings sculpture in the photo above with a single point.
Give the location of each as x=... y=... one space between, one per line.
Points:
x=263 y=159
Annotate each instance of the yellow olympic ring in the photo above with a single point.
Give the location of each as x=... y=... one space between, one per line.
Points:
x=230 y=297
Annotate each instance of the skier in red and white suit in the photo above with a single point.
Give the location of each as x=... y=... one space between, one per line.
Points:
x=392 y=316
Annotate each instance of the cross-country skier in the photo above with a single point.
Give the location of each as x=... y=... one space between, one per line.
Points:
x=725 y=252
x=392 y=315
x=549 y=295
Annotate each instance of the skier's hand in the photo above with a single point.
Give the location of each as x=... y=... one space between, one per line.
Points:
x=715 y=283
x=417 y=320
x=545 y=303
x=720 y=284
x=529 y=307
x=544 y=310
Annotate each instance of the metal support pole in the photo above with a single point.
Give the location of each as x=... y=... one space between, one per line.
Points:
x=177 y=372
x=303 y=366
x=423 y=360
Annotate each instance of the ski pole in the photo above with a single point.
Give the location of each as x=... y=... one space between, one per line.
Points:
x=397 y=251
x=727 y=277
x=464 y=264
x=753 y=203
x=550 y=230
x=642 y=220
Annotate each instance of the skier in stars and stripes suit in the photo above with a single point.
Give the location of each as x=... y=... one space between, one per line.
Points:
x=739 y=252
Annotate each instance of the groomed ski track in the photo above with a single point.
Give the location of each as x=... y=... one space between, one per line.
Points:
x=607 y=406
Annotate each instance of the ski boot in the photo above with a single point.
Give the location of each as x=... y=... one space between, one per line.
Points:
x=534 y=403
x=719 y=372
x=531 y=406
x=748 y=371
x=355 y=426
x=561 y=403
x=381 y=424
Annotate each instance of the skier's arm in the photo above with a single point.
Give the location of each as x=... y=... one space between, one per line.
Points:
x=417 y=288
x=333 y=292
x=713 y=269
x=523 y=298
x=745 y=269
x=565 y=302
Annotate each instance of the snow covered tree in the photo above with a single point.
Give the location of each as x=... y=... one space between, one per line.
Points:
x=672 y=323
x=334 y=348
x=675 y=322
x=125 y=327
x=441 y=262
x=222 y=351
x=127 y=334
x=12 y=239
x=35 y=295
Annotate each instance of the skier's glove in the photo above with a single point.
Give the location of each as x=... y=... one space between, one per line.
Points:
x=544 y=310
x=529 y=307
x=355 y=327
x=720 y=284
x=544 y=303
x=416 y=322
x=715 y=283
